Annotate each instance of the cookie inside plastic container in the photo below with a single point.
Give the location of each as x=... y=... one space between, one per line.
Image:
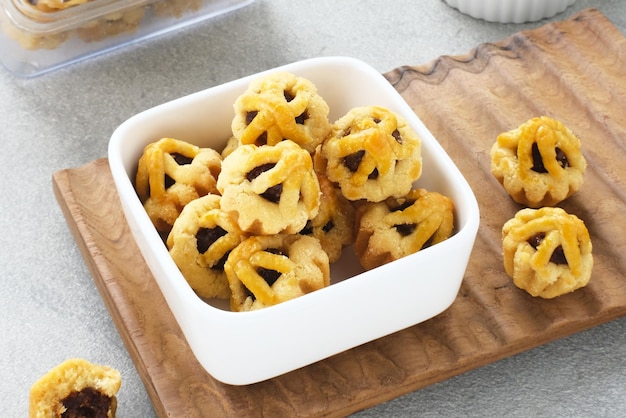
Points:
x=37 y=36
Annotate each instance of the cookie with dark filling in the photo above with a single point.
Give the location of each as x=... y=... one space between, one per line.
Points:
x=333 y=225
x=266 y=270
x=547 y=251
x=172 y=173
x=200 y=241
x=269 y=189
x=372 y=153
x=397 y=227
x=281 y=106
x=540 y=163
x=75 y=388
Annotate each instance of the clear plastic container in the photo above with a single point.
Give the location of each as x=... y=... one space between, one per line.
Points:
x=37 y=36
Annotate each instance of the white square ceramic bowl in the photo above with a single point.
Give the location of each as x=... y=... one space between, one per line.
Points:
x=245 y=347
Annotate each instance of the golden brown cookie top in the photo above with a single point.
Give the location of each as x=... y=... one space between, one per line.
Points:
x=172 y=173
x=265 y=270
x=269 y=189
x=199 y=243
x=540 y=163
x=397 y=227
x=372 y=153
x=281 y=106
x=547 y=251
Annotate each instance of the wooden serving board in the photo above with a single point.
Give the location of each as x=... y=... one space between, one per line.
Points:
x=573 y=70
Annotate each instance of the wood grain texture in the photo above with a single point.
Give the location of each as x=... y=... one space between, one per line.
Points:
x=571 y=70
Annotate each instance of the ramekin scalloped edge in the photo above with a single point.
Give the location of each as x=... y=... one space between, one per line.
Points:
x=510 y=11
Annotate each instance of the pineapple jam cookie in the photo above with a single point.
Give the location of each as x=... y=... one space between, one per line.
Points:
x=397 y=227
x=266 y=270
x=540 y=163
x=54 y=5
x=114 y=24
x=547 y=252
x=334 y=224
x=230 y=146
x=172 y=173
x=373 y=154
x=200 y=241
x=75 y=388
x=269 y=189
x=281 y=106
x=92 y=30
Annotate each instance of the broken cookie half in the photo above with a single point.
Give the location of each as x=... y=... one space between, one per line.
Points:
x=75 y=388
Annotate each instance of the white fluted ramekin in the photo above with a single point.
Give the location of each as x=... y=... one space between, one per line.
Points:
x=510 y=11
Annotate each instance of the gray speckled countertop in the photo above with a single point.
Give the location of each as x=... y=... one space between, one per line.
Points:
x=51 y=309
